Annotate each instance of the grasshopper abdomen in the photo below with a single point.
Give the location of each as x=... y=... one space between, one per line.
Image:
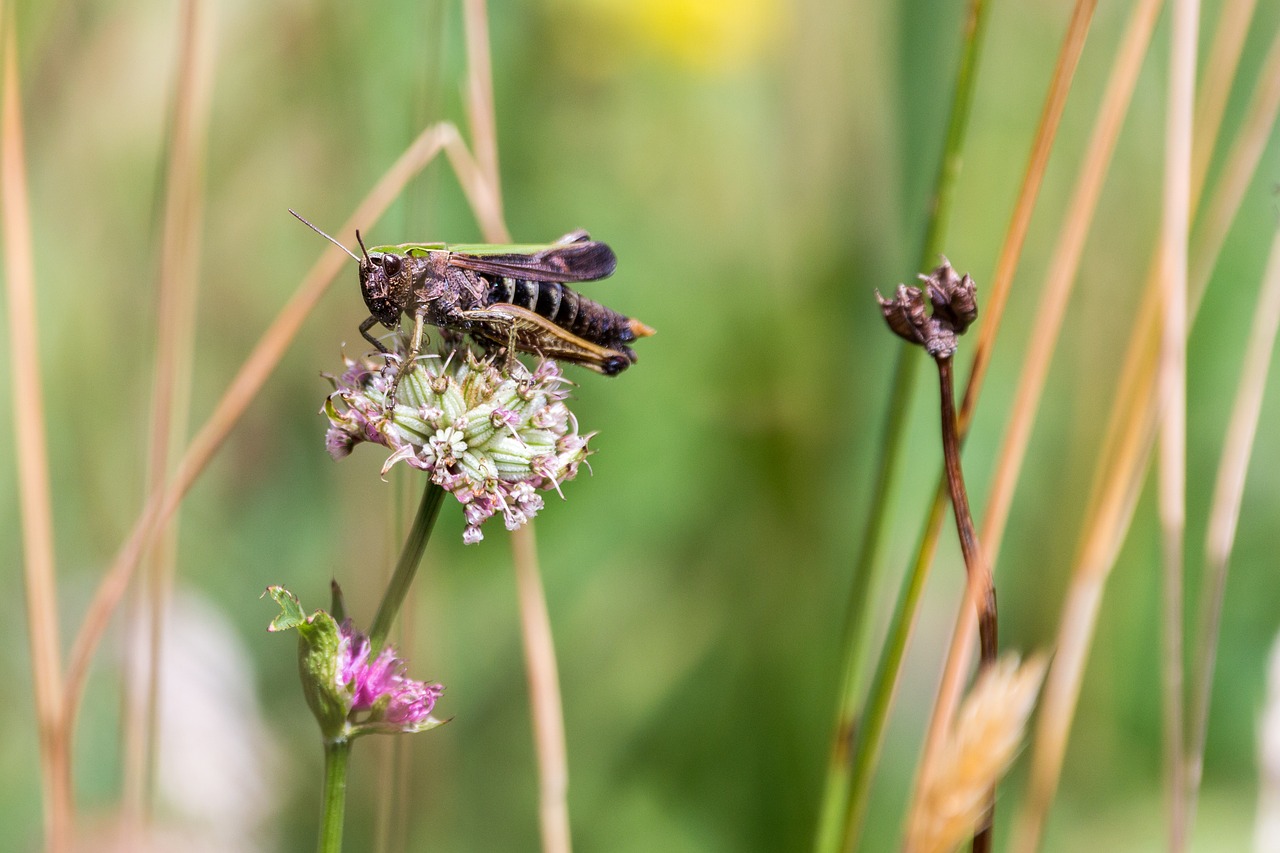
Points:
x=566 y=308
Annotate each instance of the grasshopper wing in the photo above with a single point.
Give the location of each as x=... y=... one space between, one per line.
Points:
x=515 y=327
x=574 y=257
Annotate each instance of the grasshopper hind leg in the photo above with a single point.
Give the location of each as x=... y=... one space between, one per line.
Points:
x=614 y=364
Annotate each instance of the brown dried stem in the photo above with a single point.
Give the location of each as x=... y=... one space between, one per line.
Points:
x=1055 y=295
x=980 y=588
x=544 y=694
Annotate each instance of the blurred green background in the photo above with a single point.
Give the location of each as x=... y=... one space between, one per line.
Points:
x=759 y=167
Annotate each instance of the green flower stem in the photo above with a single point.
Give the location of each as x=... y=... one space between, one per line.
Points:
x=411 y=555
x=336 y=754
x=836 y=808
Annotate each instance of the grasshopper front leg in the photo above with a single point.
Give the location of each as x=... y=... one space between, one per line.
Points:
x=415 y=347
x=364 y=331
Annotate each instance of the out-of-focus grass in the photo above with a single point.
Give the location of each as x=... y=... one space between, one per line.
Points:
x=759 y=170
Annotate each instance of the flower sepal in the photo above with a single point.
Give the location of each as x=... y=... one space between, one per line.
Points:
x=319 y=641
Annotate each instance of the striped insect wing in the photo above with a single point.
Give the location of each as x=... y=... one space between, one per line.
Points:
x=582 y=260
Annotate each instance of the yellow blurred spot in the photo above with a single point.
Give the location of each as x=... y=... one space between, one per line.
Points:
x=707 y=36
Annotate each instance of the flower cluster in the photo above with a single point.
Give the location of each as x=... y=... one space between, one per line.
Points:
x=379 y=696
x=493 y=438
x=350 y=690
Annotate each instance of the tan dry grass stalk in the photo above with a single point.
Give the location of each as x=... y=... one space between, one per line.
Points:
x=1266 y=829
x=544 y=694
x=1020 y=222
x=35 y=495
x=977 y=750
x=1215 y=86
x=177 y=287
x=1127 y=446
x=1237 y=172
x=1172 y=390
x=244 y=387
x=481 y=116
x=1225 y=509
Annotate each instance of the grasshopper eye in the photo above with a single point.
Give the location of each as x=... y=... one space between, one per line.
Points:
x=391 y=263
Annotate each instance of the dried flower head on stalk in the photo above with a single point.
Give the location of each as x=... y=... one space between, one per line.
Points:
x=492 y=437
x=955 y=307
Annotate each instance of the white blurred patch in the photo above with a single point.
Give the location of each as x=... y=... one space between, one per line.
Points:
x=218 y=773
x=1266 y=837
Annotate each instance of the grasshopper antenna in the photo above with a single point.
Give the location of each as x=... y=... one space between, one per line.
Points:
x=362 y=248
x=330 y=239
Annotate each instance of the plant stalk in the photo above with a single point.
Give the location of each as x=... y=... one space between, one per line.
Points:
x=407 y=566
x=981 y=589
x=336 y=755
x=34 y=488
x=545 y=706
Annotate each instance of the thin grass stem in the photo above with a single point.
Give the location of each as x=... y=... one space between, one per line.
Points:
x=35 y=494
x=1020 y=222
x=337 y=755
x=980 y=587
x=481 y=116
x=1127 y=445
x=1172 y=380
x=545 y=705
x=1215 y=86
x=1225 y=510
x=544 y=694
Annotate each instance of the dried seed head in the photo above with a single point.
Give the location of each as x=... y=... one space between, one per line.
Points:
x=494 y=438
x=905 y=314
x=955 y=307
x=953 y=297
x=981 y=744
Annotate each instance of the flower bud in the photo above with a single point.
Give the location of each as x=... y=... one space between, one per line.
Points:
x=349 y=693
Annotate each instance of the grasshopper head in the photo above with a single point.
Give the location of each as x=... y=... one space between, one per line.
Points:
x=385 y=279
x=385 y=285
